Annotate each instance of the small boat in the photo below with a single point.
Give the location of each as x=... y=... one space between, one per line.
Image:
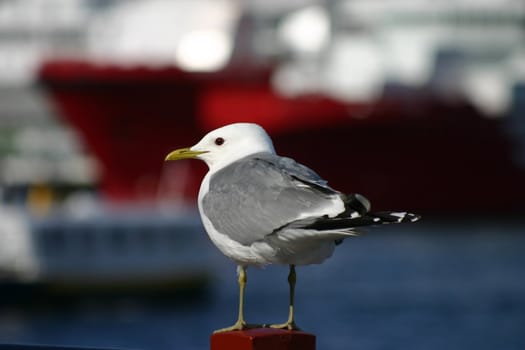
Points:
x=108 y=254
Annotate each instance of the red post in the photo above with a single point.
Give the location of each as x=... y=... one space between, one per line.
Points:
x=262 y=339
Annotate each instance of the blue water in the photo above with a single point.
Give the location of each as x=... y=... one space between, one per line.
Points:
x=424 y=286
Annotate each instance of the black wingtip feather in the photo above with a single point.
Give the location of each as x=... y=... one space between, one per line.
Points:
x=396 y=217
x=356 y=202
x=341 y=223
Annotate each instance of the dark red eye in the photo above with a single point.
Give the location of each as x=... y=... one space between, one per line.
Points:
x=219 y=141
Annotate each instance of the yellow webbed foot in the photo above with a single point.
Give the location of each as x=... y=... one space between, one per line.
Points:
x=238 y=326
x=288 y=325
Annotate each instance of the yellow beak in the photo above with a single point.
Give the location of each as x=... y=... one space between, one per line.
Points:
x=183 y=153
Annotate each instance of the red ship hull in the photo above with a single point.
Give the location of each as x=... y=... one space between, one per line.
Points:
x=416 y=153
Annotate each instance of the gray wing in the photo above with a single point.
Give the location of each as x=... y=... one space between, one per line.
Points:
x=255 y=196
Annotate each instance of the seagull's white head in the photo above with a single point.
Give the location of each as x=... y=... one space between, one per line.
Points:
x=225 y=145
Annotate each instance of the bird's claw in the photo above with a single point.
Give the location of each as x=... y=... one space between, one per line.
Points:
x=238 y=326
x=288 y=325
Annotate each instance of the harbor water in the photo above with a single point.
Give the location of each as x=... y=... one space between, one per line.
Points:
x=440 y=285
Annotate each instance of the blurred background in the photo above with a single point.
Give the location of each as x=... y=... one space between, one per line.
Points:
x=418 y=105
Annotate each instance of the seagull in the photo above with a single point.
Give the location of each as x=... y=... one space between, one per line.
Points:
x=260 y=208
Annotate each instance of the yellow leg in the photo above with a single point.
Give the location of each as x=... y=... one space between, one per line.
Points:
x=290 y=324
x=241 y=323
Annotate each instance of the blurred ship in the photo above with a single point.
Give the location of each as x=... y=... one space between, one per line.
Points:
x=406 y=150
x=106 y=255
x=407 y=103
